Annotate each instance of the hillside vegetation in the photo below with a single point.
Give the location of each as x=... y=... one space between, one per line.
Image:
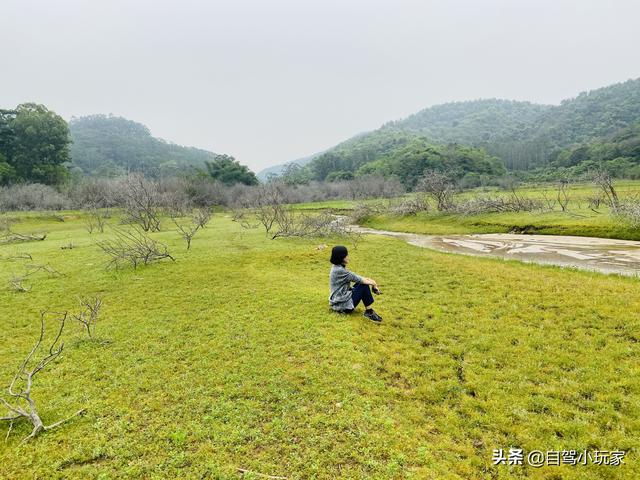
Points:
x=105 y=145
x=521 y=135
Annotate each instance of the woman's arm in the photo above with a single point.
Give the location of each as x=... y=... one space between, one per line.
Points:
x=369 y=281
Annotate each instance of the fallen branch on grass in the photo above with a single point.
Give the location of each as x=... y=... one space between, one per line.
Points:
x=20 y=256
x=16 y=283
x=12 y=237
x=21 y=404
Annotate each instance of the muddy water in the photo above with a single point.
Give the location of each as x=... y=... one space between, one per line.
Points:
x=587 y=253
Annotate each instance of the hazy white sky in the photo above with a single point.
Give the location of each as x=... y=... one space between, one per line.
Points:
x=271 y=81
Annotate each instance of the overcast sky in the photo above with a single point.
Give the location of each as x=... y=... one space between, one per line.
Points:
x=271 y=81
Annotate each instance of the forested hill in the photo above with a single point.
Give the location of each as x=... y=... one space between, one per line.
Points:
x=106 y=145
x=520 y=135
x=526 y=135
x=472 y=123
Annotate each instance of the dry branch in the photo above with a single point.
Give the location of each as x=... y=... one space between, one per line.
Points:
x=199 y=219
x=20 y=403
x=89 y=313
x=133 y=247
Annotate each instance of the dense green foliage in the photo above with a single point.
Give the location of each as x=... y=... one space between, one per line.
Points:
x=525 y=135
x=228 y=170
x=478 y=122
x=522 y=135
x=34 y=145
x=404 y=155
x=110 y=146
x=619 y=154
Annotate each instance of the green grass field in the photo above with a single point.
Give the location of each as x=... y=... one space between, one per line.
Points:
x=230 y=358
x=579 y=219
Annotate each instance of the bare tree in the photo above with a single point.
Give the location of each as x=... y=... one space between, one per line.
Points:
x=562 y=194
x=88 y=314
x=198 y=220
x=95 y=220
x=133 y=247
x=292 y=224
x=439 y=187
x=242 y=217
x=142 y=202
x=267 y=202
x=202 y=216
x=20 y=403
x=603 y=179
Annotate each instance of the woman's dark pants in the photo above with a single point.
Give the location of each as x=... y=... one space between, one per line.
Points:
x=360 y=291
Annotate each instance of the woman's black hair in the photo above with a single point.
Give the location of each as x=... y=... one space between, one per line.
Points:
x=337 y=254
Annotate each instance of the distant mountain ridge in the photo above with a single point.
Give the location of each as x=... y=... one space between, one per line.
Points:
x=522 y=135
x=107 y=145
x=276 y=170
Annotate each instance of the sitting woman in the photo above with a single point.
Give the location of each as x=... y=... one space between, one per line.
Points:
x=343 y=298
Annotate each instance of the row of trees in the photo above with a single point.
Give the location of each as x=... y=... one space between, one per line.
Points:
x=398 y=154
x=200 y=191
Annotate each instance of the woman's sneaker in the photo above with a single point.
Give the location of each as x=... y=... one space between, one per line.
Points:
x=372 y=315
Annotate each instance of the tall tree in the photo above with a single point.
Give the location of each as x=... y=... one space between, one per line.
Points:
x=228 y=170
x=34 y=145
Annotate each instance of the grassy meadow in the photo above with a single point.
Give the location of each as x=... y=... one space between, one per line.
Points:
x=229 y=358
x=578 y=219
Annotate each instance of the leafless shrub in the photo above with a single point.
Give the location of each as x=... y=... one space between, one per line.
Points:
x=439 y=187
x=202 y=216
x=630 y=211
x=550 y=201
x=594 y=202
x=204 y=192
x=32 y=197
x=133 y=247
x=142 y=204
x=513 y=203
x=97 y=193
x=603 y=180
x=411 y=206
x=95 y=220
x=198 y=220
x=242 y=217
x=267 y=204
x=562 y=194
x=88 y=314
x=20 y=403
x=374 y=186
x=362 y=211
x=292 y=224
